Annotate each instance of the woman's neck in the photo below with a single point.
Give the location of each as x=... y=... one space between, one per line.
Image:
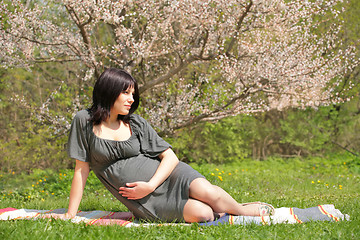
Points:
x=112 y=122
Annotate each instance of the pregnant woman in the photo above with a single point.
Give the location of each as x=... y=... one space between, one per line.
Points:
x=136 y=165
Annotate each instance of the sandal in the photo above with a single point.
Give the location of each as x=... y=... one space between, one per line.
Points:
x=265 y=209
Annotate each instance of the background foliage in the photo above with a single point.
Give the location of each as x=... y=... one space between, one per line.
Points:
x=37 y=102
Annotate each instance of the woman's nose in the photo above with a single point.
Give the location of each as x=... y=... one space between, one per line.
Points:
x=131 y=99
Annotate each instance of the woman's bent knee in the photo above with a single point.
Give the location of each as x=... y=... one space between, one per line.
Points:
x=196 y=211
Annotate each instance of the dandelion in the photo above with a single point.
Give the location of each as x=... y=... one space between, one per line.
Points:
x=33 y=185
x=52 y=193
x=344 y=163
x=221 y=179
x=313 y=168
x=340 y=187
x=212 y=174
x=13 y=173
x=223 y=171
x=312 y=182
x=318 y=181
x=40 y=180
x=64 y=174
x=217 y=169
x=44 y=179
x=219 y=173
x=229 y=173
x=29 y=196
x=42 y=200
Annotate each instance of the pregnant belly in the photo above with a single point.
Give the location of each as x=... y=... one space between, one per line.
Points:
x=139 y=168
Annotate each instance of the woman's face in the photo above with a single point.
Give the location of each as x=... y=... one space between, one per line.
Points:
x=123 y=103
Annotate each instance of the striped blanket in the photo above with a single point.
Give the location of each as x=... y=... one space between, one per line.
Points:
x=126 y=219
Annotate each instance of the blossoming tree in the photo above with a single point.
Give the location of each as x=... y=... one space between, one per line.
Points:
x=195 y=60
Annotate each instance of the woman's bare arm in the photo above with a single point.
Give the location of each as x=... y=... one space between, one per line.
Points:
x=81 y=174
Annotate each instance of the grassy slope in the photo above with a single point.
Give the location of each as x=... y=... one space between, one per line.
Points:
x=282 y=183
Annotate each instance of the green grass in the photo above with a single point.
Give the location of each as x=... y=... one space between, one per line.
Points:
x=283 y=183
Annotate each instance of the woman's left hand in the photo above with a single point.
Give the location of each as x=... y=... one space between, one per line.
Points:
x=136 y=190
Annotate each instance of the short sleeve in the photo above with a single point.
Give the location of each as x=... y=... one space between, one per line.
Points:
x=78 y=147
x=151 y=144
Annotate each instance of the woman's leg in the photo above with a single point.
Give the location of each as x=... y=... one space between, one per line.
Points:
x=197 y=211
x=221 y=202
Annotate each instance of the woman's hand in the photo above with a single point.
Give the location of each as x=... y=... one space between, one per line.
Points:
x=136 y=190
x=64 y=216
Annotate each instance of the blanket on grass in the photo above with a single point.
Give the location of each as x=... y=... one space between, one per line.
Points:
x=126 y=219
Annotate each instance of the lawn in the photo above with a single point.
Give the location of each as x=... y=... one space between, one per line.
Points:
x=281 y=182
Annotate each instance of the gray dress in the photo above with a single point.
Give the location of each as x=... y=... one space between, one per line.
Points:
x=116 y=163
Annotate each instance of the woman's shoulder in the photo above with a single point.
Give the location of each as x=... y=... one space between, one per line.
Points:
x=82 y=116
x=138 y=121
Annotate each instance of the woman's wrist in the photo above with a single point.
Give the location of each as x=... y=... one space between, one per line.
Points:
x=70 y=215
x=152 y=185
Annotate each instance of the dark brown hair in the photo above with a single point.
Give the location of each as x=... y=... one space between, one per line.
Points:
x=107 y=89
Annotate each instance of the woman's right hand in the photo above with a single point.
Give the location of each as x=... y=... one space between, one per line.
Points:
x=63 y=216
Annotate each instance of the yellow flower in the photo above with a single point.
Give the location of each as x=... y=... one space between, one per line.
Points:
x=229 y=173
x=52 y=193
x=212 y=174
x=318 y=181
x=217 y=169
x=40 y=180
x=220 y=178
x=64 y=174
x=13 y=173
x=344 y=163
x=44 y=179
x=312 y=182
x=223 y=171
x=29 y=197
x=42 y=199
x=33 y=185
x=219 y=173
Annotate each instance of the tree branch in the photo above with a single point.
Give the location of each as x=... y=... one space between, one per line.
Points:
x=241 y=19
x=168 y=75
x=85 y=36
x=197 y=119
